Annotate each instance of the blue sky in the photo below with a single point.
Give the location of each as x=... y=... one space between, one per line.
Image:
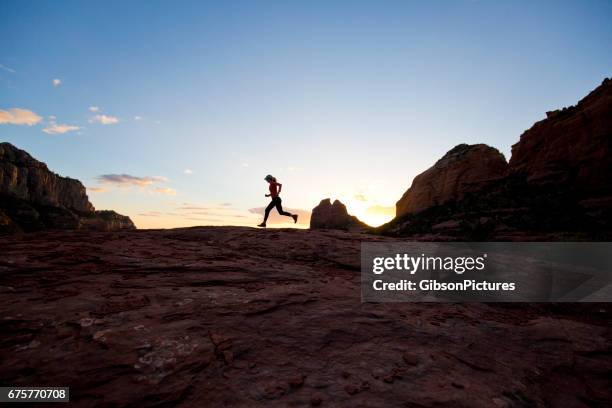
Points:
x=337 y=99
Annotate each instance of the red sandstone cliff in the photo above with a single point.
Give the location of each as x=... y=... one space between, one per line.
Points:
x=571 y=146
x=33 y=198
x=463 y=169
x=557 y=182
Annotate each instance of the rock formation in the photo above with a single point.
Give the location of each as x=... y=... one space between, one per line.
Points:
x=462 y=170
x=25 y=178
x=572 y=146
x=556 y=185
x=34 y=198
x=334 y=216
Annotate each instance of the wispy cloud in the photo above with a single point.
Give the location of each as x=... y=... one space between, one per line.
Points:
x=194 y=207
x=360 y=197
x=217 y=214
x=223 y=211
x=96 y=189
x=56 y=82
x=104 y=120
x=165 y=190
x=151 y=214
x=188 y=171
x=7 y=69
x=129 y=180
x=18 y=116
x=56 y=128
x=94 y=108
x=137 y=117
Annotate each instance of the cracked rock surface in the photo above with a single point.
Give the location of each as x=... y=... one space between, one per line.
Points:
x=234 y=316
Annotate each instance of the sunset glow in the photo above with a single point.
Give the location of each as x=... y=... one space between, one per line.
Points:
x=152 y=105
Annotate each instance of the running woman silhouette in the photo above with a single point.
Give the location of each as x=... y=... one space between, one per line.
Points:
x=275 y=189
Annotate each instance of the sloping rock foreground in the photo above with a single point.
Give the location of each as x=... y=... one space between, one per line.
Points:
x=243 y=317
x=33 y=198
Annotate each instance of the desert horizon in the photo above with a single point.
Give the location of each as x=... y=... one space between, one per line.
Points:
x=191 y=214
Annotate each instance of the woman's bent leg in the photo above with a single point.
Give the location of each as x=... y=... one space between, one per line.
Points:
x=279 y=207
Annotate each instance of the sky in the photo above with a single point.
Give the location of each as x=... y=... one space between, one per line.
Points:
x=173 y=112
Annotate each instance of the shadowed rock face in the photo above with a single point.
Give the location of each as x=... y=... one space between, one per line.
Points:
x=572 y=146
x=334 y=216
x=556 y=186
x=464 y=169
x=34 y=198
x=25 y=178
x=239 y=317
x=106 y=220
